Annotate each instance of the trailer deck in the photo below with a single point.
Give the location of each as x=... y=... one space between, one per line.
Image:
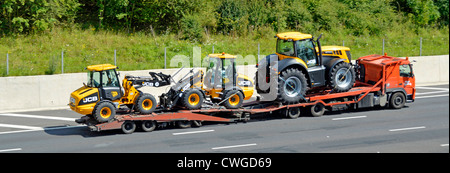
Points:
x=391 y=89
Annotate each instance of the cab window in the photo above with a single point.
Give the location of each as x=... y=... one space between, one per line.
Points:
x=405 y=70
x=93 y=79
x=110 y=79
x=305 y=51
x=285 y=47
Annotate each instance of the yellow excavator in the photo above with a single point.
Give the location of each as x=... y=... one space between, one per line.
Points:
x=103 y=94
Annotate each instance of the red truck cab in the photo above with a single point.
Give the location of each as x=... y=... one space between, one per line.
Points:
x=398 y=78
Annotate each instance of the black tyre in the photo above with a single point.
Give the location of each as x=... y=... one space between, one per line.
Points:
x=292 y=86
x=148 y=126
x=184 y=124
x=317 y=110
x=128 y=127
x=397 y=101
x=342 y=77
x=196 y=123
x=192 y=99
x=145 y=103
x=257 y=84
x=293 y=113
x=104 y=111
x=234 y=99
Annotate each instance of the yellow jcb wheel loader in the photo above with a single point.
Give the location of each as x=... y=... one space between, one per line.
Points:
x=221 y=84
x=103 y=94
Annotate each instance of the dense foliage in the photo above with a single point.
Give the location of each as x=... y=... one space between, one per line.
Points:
x=35 y=33
x=195 y=18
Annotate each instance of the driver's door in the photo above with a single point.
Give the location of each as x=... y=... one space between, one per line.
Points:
x=110 y=85
x=307 y=52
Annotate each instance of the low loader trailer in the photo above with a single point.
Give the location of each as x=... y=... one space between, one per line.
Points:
x=382 y=81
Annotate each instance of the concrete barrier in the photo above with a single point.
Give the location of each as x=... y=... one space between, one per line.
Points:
x=53 y=91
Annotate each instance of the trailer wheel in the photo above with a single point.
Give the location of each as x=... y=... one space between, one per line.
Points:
x=184 y=124
x=196 y=123
x=397 y=101
x=146 y=104
x=192 y=99
x=317 y=110
x=148 y=126
x=128 y=127
x=104 y=111
x=293 y=113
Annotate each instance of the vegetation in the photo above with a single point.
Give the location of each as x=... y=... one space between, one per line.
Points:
x=35 y=32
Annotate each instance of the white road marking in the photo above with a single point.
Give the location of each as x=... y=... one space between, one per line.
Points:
x=233 y=146
x=433 y=88
x=432 y=96
x=21 y=127
x=444 y=145
x=193 y=132
x=433 y=92
x=17 y=131
x=409 y=128
x=12 y=149
x=32 y=129
x=346 y=118
x=40 y=117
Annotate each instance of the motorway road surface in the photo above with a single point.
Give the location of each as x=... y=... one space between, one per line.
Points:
x=420 y=127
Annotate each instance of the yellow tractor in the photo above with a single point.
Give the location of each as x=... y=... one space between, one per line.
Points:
x=103 y=94
x=221 y=84
x=301 y=64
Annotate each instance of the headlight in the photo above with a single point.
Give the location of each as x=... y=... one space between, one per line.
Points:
x=72 y=100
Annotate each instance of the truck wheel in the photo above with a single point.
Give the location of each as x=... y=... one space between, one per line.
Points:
x=148 y=126
x=104 y=111
x=128 y=127
x=292 y=86
x=397 y=101
x=342 y=77
x=234 y=101
x=192 y=99
x=317 y=110
x=145 y=104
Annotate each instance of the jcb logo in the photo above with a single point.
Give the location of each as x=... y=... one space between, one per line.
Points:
x=90 y=99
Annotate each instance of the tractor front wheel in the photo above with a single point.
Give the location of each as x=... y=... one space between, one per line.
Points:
x=342 y=77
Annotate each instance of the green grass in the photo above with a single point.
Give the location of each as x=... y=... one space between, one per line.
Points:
x=41 y=54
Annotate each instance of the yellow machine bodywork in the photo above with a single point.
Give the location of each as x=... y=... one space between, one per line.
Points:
x=83 y=95
x=103 y=94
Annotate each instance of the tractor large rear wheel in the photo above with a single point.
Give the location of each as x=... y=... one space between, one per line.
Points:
x=292 y=86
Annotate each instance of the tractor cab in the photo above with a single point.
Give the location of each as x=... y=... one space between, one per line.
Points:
x=297 y=45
